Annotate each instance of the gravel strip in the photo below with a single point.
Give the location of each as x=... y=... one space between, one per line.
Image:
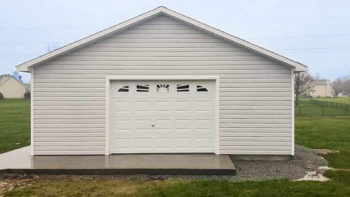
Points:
x=304 y=160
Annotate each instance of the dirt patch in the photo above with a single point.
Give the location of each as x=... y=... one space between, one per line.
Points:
x=9 y=182
x=325 y=151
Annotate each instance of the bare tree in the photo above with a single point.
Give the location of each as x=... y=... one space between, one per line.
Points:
x=302 y=84
x=347 y=86
x=338 y=86
x=341 y=85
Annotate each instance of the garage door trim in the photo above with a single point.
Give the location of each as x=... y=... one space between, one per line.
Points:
x=109 y=79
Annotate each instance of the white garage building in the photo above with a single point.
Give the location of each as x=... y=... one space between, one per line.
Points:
x=162 y=83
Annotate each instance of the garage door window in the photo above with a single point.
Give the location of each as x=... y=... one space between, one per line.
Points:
x=162 y=88
x=124 y=89
x=201 y=89
x=183 y=88
x=142 y=88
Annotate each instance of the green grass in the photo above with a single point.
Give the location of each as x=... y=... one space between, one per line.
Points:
x=344 y=100
x=328 y=131
x=306 y=109
x=339 y=186
x=325 y=132
x=14 y=124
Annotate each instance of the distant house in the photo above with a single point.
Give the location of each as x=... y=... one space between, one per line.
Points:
x=12 y=88
x=322 y=88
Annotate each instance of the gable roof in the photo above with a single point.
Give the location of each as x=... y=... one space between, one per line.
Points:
x=321 y=82
x=4 y=78
x=25 y=67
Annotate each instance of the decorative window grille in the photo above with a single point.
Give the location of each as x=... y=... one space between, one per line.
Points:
x=162 y=88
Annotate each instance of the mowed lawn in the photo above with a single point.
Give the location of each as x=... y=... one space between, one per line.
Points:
x=338 y=186
x=326 y=133
x=329 y=129
x=312 y=130
x=14 y=124
x=344 y=100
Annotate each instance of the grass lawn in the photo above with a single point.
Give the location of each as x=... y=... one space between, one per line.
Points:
x=14 y=124
x=339 y=186
x=344 y=100
x=329 y=131
x=306 y=109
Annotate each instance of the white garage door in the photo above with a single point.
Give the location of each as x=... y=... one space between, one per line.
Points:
x=162 y=116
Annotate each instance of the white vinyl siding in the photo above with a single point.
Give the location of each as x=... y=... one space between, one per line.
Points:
x=70 y=94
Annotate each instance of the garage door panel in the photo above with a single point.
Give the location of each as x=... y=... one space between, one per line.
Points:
x=183 y=106
x=165 y=117
x=203 y=124
x=121 y=124
x=182 y=142
x=143 y=143
x=162 y=105
x=183 y=124
x=122 y=106
x=142 y=124
x=123 y=142
x=203 y=106
x=121 y=134
x=163 y=124
x=142 y=106
x=203 y=143
x=163 y=143
x=205 y=133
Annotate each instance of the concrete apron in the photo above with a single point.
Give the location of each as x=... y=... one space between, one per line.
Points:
x=20 y=161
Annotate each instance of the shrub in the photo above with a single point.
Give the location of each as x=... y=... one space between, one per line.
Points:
x=1 y=96
x=27 y=95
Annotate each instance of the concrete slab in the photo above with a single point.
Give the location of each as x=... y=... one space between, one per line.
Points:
x=20 y=161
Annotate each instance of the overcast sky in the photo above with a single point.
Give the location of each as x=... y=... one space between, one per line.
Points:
x=313 y=32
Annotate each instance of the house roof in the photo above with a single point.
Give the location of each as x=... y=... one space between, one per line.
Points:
x=4 y=78
x=25 y=67
x=321 y=82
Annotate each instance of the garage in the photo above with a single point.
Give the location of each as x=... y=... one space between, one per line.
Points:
x=162 y=82
x=162 y=116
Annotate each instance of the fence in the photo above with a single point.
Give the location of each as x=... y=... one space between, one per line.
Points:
x=314 y=107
